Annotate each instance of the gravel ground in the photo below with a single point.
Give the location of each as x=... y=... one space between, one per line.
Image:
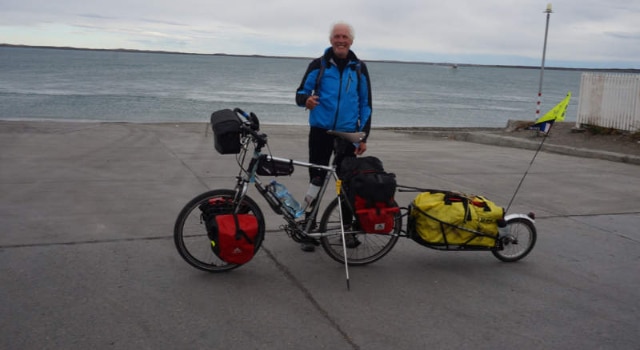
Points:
x=566 y=134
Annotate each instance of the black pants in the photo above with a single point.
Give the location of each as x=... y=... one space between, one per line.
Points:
x=321 y=146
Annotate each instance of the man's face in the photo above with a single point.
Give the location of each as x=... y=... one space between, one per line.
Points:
x=341 y=41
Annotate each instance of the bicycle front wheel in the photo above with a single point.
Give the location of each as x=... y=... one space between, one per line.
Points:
x=362 y=248
x=190 y=234
x=518 y=241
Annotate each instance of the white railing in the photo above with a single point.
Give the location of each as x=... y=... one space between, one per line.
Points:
x=610 y=101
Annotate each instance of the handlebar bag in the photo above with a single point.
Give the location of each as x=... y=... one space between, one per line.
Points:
x=226 y=131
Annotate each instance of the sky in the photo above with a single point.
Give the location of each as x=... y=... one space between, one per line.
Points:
x=581 y=33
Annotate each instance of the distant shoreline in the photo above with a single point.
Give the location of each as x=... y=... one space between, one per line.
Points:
x=456 y=65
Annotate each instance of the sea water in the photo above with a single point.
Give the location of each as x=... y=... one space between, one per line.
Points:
x=59 y=84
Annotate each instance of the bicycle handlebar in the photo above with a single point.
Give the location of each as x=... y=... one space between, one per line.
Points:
x=252 y=126
x=241 y=112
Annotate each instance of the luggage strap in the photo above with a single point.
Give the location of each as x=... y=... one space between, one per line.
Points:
x=239 y=232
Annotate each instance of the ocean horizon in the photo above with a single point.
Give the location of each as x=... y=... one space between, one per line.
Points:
x=122 y=85
x=458 y=64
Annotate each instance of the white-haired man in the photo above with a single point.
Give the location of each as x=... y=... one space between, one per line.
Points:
x=336 y=90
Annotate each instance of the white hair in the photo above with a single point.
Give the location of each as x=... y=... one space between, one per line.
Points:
x=352 y=33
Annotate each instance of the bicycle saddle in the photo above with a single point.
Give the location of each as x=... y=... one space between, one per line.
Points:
x=353 y=137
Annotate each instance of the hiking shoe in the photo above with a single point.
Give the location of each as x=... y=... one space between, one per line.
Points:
x=309 y=244
x=351 y=241
x=307 y=247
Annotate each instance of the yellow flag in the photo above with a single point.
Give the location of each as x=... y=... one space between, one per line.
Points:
x=556 y=113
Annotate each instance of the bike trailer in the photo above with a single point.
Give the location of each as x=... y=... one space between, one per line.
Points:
x=226 y=131
x=444 y=218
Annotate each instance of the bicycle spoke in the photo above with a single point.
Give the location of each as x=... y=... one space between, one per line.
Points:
x=369 y=247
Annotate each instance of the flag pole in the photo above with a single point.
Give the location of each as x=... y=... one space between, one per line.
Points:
x=548 y=11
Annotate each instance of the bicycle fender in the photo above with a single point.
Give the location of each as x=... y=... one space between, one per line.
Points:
x=522 y=216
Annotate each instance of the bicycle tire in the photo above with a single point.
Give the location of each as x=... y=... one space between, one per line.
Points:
x=190 y=233
x=372 y=246
x=518 y=242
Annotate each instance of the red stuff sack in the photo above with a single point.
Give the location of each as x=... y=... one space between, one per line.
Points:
x=233 y=237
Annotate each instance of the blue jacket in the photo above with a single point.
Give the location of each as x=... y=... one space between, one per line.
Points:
x=345 y=98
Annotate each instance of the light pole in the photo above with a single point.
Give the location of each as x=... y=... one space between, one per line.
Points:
x=548 y=11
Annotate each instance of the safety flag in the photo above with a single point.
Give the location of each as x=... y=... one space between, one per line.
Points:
x=556 y=113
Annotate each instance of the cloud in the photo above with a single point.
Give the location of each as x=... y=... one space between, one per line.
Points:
x=586 y=32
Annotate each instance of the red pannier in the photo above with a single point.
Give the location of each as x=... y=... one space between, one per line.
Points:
x=378 y=219
x=233 y=237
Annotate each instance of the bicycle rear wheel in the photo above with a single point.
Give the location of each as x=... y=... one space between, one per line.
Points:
x=371 y=246
x=190 y=234
x=518 y=241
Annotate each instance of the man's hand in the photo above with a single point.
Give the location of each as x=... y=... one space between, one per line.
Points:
x=362 y=147
x=311 y=102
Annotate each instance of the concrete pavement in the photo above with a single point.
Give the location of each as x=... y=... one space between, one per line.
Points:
x=87 y=257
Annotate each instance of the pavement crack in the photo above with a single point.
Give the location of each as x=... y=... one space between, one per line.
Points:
x=181 y=160
x=584 y=215
x=575 y=218
x=96 y=241
x=307 y=294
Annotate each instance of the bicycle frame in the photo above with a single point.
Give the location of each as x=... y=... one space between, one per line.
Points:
x=248 y=175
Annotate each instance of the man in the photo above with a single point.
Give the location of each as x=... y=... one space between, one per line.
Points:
x=336 y=90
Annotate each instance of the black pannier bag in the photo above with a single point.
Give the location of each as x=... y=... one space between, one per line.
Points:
x=352 y=166
x=226 y=131
x=270 y=167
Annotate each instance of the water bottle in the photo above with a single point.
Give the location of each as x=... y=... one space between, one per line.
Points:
x=290 y=203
